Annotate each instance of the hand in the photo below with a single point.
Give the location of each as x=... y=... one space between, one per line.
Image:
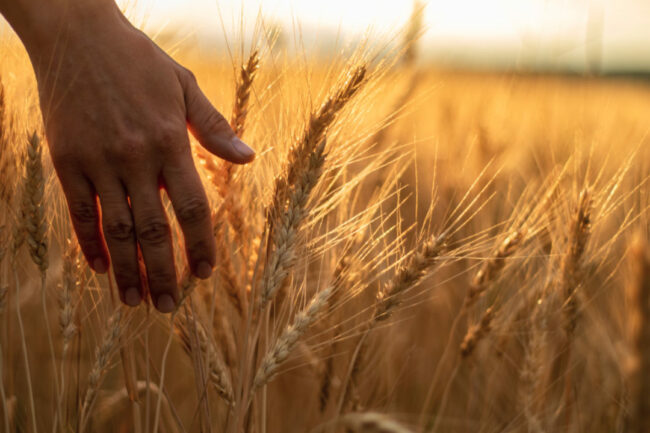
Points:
x=116 y=111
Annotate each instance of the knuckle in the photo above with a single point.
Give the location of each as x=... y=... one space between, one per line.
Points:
x=193 y=210
x=188 y=75
x=83 y=212
x=128 y=149
x=154 y=231
x=169 y=138
x=119 y=230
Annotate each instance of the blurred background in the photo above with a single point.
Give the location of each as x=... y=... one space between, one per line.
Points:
x=584 y=36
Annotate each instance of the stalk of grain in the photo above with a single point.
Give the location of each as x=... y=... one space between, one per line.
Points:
x=287 y=341
x=3 y=109
x=571 y=274
x=476 y=333
x=103 y=355
x=218 y=372
x=421 y=261
x=639 y=335
x=286 y=228
x=227 y=274
x=492 y=267
x=3 y=395
x=299 y=154
x=570 y=267
x=222 y=174
x=71 y=273
x=33 y=207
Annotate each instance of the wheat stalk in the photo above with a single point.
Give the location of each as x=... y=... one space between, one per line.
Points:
x=103 y=355
x=300 y=152
x=418 y=265
x=289 y=338
x=287 y=226
x=639 y=334
x=570 y=267
x=476 y=333
x=33 y=207
x=492 y=267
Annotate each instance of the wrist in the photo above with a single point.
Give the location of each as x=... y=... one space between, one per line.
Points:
x=43 y=24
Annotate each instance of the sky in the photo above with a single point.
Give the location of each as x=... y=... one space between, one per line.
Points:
x=563 y=34
x=534 y=33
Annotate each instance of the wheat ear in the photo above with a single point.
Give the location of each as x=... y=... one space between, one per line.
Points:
x=492 y=267
x=418 y=265
x=287 y=226
x=33 y=207
x=289 y=338
x=103 y=355
x=639 y=334
x=476 y=333
x=319 y=122
x=219 y=376
x=570 y=267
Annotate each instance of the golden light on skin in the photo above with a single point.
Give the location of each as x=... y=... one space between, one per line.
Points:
x=550 y=30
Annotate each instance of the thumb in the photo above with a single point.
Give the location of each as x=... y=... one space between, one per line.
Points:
x=210 y=127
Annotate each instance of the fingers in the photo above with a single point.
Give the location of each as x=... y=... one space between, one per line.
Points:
x=210 y=127
x=192 y=212
x=84 y=214
x=154 y=236
x=119 y=233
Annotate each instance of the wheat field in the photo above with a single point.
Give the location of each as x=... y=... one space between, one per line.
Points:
x=413 y=250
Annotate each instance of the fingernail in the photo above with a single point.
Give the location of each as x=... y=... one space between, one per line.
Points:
x=204 y=270
x=132 y=297
x=165 y=303
x=100 y=266
x=244 y=150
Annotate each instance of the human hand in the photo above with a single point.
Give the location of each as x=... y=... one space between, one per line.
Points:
x=116 y=111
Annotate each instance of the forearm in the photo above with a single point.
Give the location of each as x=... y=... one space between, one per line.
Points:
x=41 y=23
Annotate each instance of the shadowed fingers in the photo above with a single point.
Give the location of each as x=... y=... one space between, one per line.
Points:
x=118 y=228
x=154 y=236
x=192 y=210
x=84 y=214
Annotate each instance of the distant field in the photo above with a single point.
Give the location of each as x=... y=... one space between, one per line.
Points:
x=468 y=252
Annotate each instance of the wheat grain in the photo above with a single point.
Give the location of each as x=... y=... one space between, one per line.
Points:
x=33 y=206
x=492 y=267
x=476 y=333
x=219 y=376
x=103 y=355
x=286 y=228
x=287 y=341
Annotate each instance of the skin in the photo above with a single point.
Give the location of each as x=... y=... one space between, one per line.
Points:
x=117 y=110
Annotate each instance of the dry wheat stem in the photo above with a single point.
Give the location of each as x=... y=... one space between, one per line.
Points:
x=570 y=268
x=103 y=355
x=639 y=333
x=21 y=327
